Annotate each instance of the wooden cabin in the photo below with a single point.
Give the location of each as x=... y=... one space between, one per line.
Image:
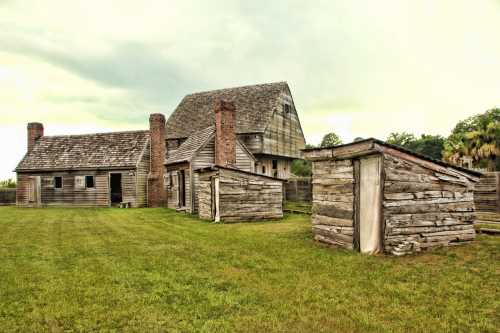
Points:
x=91 y=170
x=378 y=198
x=231 y=195
x=266 y=124
x=196 y=153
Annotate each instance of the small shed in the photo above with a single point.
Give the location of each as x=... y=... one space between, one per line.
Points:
x=232 y=195
x=374 y=197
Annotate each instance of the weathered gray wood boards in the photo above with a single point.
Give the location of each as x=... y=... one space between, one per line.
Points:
x=231 y=195
x=423 y=203
x=77 y=170
x=267 y=123
x=487 y=193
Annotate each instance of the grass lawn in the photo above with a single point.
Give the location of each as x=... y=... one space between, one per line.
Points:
x=156 y=270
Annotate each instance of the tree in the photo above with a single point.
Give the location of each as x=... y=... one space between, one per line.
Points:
x=478 y=137
x=402 y=139
x=358 y=139
x=302 y=168
x=9 y=183
x=330 y=140
x=427 y=145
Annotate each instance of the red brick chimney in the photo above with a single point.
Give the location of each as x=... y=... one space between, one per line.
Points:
x=35 y=132
x=156 y=190
x=225 y=133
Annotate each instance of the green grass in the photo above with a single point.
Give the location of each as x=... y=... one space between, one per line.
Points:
x=156 y=270
x=299 y=206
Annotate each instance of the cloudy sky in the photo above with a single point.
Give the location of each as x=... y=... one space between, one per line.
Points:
x=357 y=67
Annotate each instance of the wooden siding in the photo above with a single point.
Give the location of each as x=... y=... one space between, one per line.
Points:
x=70 y=196
x=424 y=205
x=283 y=135
x=487 y=193
x=142 y=179
x=205 y=157
x=283 y=170
x=172 y=186
x=242 y=196
x=333 y=202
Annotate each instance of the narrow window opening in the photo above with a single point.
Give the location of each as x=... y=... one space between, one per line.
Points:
x=58 y=182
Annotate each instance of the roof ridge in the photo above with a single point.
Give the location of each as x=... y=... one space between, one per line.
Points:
x=95 y=133
x=239 y=87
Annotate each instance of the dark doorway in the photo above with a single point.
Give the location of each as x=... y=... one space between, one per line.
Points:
x=182 y=188
x=115 y=185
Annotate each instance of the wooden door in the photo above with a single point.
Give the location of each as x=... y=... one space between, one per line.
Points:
x=370 y=205
x=181 y=188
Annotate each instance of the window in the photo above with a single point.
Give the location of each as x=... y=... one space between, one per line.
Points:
x=89 y=181
x=58 y=182
x=275 y=164
x=287 y=108
x=264 y=169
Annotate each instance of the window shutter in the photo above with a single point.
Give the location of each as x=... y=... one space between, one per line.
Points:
x=48 y=182
x=79 y=182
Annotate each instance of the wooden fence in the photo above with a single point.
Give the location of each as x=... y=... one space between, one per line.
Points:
x=7 y=196
x=487 y=193
x=298 y=189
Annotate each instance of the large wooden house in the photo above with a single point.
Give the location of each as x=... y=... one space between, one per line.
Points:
x=266 y=124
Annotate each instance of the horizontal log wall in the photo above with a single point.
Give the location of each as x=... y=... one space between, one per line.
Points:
x=424 y=208
x=246 y=197
x=333 y=202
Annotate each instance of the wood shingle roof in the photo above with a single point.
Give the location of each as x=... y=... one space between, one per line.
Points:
x=188 y=148
x=87 y=151
x=255 y=105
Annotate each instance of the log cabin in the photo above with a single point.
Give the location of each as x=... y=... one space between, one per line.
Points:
x=93 y=170
x=233 y=195
x=374 y=197
x=266 y=124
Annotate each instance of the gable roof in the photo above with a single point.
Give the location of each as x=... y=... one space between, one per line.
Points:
x=188 y=148
x=87 y=151
x=371 y=145
x=255 y=105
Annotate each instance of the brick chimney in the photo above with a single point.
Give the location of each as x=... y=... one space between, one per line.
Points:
x=35 y=132
x=225 y=133
x=156 y=190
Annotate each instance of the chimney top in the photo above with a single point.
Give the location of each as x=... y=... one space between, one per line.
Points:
x=223 y=105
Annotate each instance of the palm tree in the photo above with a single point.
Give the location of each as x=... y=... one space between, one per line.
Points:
x=484 y=142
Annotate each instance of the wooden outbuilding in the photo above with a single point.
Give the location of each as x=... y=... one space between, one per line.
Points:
x=374 y=197
x=232 y=195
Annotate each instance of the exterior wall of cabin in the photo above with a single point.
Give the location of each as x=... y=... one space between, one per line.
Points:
x=424 y=205
x=424 y=208
x=242 y=196
x=142 y=179
x=265 y=166
x=333 y=202
x=71 y=196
